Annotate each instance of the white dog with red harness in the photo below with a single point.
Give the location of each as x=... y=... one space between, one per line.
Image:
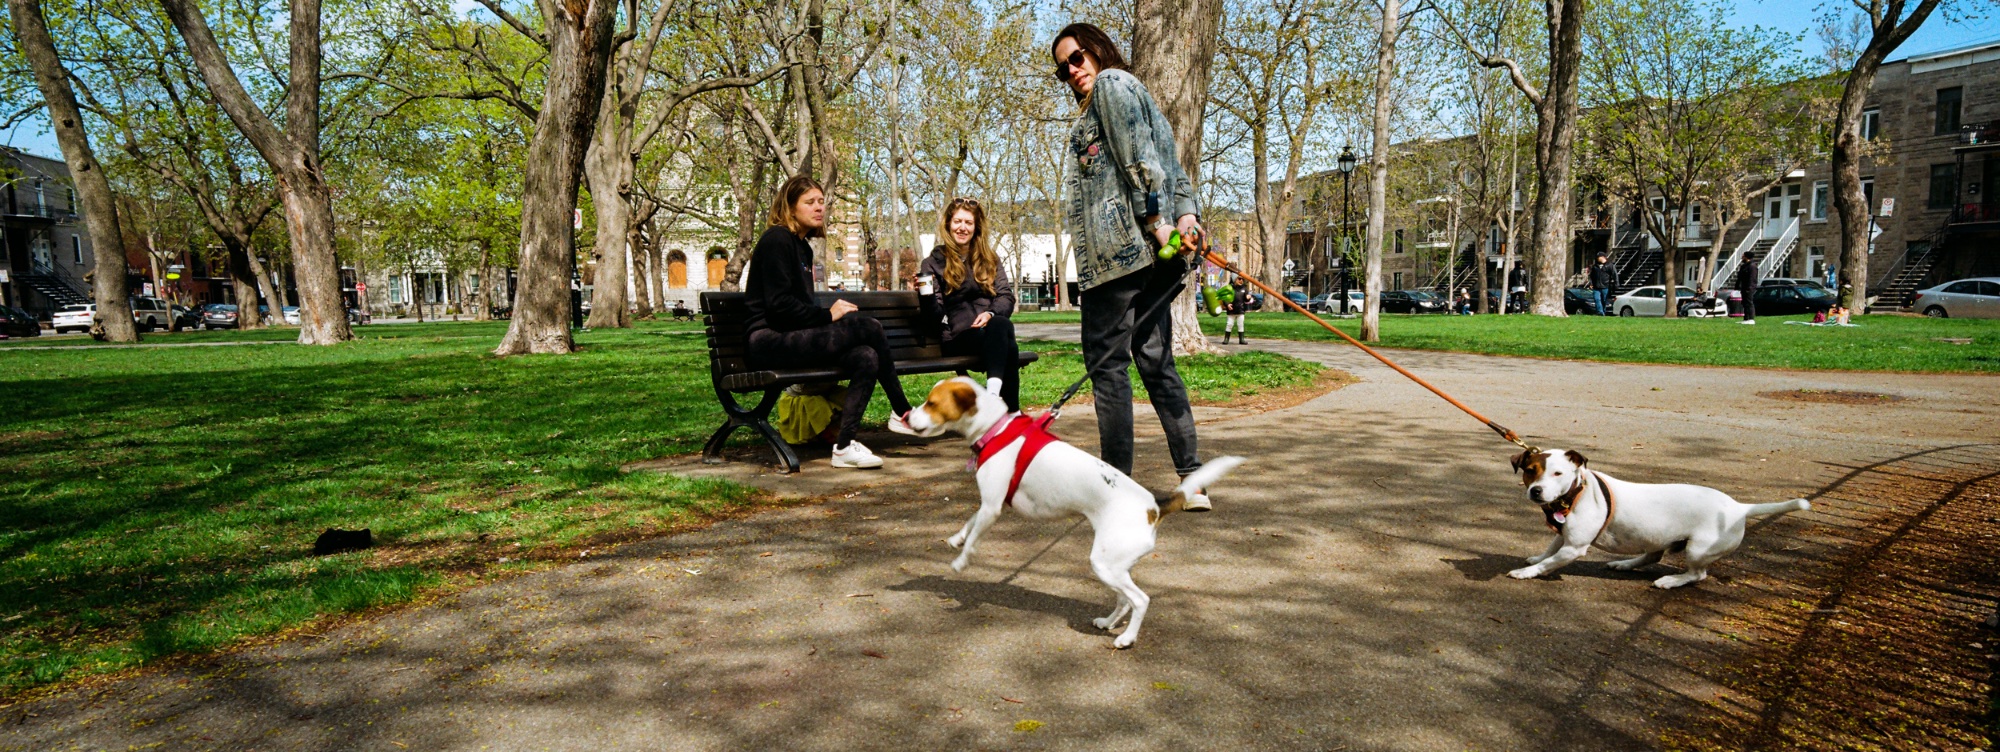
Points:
x=1020 y=465
x=1588 y=508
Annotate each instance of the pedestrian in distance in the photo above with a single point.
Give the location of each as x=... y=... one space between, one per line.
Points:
x=1129 y=197
x=963 y=282
x=1603 y=282
x=1746 y=283
x=788 y=329
x=1240 y=301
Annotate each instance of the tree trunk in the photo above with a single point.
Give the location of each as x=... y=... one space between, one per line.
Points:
x=1378 y=175
x=483 y=297
x=1555 y=140
x=1173 y=47
x=93 y=189
x=1850 y=204
x=262 y=273
x=579 y=51
x=292 y=153
x=1670 y=260
x=243 y=280
x=642 y=267
x=609 y=171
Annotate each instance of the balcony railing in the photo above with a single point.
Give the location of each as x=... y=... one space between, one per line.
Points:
x=1973 y=134
x=1969 y=213
x=44 y=212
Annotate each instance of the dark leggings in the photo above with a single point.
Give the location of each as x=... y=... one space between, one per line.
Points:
x=996 y=349
x=855 y=344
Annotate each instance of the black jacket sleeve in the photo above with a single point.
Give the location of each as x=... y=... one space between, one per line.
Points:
x=1001 y=303
x=780 y=294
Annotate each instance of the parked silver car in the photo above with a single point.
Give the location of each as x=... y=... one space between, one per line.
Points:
x=1976 y=298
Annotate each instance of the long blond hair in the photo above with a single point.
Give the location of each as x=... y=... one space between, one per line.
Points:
x=784 y=212
x=985 y=262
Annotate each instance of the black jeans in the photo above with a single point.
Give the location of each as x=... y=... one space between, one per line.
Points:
x=1750 y=306
x=1110 y=311
x=996 y=349
x=854 y=343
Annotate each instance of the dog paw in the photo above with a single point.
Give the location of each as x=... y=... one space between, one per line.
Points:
x=1536 y=559
x=1672 y=581
x=958 y=564
x=1525 y=573
x=1103 y=622
x=1125 y=641
x=956 y=540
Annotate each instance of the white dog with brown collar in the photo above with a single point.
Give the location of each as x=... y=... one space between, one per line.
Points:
x=1643 y=520
x=1058 y=480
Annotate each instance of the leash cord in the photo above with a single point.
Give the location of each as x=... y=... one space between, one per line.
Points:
x=1146 y=319
x=1505 y=432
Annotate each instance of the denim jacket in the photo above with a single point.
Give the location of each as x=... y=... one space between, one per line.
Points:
x=1125 y=168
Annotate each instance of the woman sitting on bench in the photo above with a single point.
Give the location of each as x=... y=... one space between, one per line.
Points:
x=787 y=329
x=963 y=281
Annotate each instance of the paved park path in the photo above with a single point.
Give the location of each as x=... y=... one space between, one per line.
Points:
x=1348 y=593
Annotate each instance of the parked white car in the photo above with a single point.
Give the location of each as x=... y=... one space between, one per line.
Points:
x=1977 y=298
x=73 y=318
x=1650 y=300
x=291 y=315
x=152 y=313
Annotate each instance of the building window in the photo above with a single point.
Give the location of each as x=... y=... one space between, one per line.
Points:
x=1820 y=197
x=72 y=201
x=1944 y=186
x=1816 y=261
x=1948 y=104
x=76 y=248
x=1871 y=123
x=1399 y=243
x=1397 y=283
x=396 y=290
x=1868 y=195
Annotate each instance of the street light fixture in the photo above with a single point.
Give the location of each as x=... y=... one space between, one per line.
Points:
x=1347 y=160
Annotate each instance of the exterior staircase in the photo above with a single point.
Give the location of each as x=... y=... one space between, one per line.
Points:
x=1641 y=268
x=55 y=289
x=1902 y=286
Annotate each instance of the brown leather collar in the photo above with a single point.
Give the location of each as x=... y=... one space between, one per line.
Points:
x=1556 y=513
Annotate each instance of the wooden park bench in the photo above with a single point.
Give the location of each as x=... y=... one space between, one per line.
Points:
x=914 y=340
x=681 y=312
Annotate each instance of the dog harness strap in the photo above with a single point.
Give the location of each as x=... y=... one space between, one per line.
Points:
x=1610 y=505
x=1033 y=437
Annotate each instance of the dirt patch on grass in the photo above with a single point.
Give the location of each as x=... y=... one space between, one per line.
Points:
x=1832 y=397
x=1885 y=646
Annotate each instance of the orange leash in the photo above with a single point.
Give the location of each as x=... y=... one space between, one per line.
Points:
x=1505 y=432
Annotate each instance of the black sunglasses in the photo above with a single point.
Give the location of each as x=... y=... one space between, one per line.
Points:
x=1063 y=66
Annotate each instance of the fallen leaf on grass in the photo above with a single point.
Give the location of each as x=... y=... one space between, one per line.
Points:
x=873 y=654
x=1012 y=700
x=766 y=553
x=860 y=595
x=1024 y=726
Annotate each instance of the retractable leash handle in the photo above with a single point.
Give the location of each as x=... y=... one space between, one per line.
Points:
x=1505 y=432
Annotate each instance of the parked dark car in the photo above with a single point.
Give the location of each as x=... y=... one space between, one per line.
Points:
x=223 y=316
x=1412 y=301
x=15 y=322
x=1787 y=299
x=187 y=318
x=1297 y=297
x=1578 y=300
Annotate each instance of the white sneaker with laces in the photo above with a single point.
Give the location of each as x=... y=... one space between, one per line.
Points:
x=901 y=424
x=993 y=385
x=856 y=455
x=1197 y=502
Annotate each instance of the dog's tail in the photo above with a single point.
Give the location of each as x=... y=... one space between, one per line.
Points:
x=1766 y=510
x=1202 y=478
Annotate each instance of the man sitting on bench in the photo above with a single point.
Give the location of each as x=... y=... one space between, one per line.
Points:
x=788 y=330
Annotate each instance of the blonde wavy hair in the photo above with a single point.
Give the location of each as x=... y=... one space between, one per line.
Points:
x=985 y=262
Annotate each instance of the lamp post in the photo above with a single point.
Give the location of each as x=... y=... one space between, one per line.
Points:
x=1347 y=160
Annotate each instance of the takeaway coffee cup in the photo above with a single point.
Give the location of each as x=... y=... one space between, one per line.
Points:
x=924 y=284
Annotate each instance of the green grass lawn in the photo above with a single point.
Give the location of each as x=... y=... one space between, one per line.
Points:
x=159 y=501
x=1879 y=343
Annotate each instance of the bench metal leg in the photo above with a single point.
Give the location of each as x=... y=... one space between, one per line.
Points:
x=757 y=418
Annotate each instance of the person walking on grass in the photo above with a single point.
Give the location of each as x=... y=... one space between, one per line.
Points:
x=1126 y=196
x=963 y=282
x=1746 y=283
x=788 y=329
x=1240 y=300
x=1603 y=282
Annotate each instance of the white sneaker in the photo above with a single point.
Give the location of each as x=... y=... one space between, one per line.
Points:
x=856 y=455
x=993 y=385
x=901 y=424
x=1197 y=502
x=1751 y=322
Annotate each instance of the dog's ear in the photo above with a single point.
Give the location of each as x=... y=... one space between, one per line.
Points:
x=967 y=397
x=1520 y=461
x=1575 y=456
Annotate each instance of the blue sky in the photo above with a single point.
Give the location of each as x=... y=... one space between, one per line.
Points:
x=1795 y=17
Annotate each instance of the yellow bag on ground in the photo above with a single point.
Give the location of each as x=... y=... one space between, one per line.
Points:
x=805 y=410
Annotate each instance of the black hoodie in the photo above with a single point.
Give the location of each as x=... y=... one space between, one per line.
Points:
x=779 y=291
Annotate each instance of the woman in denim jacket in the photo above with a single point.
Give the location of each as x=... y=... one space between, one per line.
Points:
x=1126 y=189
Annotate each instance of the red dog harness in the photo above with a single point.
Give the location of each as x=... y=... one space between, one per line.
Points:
x=1034 y=435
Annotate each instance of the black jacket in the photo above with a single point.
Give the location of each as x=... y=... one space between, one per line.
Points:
x=1746 y=279
x=963 y=301
x=1241 y=304
x=1603 y=277
x=779 y=291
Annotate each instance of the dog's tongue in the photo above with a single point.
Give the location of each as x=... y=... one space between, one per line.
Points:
x=1562 y=517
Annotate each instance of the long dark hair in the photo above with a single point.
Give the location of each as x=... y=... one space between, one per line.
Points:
x=985 y=263
x=1094 y=42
